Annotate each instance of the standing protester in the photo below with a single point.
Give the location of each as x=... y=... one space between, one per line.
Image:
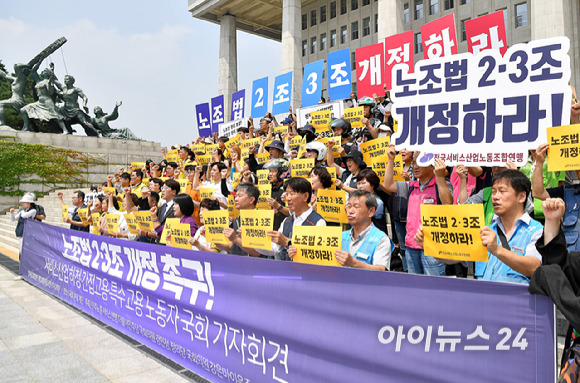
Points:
x=74 y=219
x=28 y=212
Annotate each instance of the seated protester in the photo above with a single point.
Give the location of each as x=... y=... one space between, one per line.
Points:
x=349 y=178
x=73 y=218
x=431 y=189
x=316 y=150
x=171 y=170
x=183 y=209
x=28 y=212
x=246 y=198
x=278 y=171
x=198 y=241
x=218 y=182
x=298 y=193
x=113 y=208
x=364 y=246
x=137 y=182
x=160 y=214
x=321 y=179
x=569 y=193
x=369 y=181
x=557 y=277
x=511 y=237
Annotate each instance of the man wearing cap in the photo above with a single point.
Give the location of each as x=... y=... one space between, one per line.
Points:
x=430 y=188
x=78 y=201
x=276 y=150
x=354 y=164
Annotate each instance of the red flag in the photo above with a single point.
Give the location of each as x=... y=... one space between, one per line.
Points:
x=399 y=49
x=439 y=37
x=369 y=70
x=486 y=32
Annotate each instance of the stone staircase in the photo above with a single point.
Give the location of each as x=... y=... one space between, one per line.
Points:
x=8 y=239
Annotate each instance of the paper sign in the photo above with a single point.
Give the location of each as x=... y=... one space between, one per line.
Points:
x=312 y=83
x=198 y=148
x=304 y=115
x=486 y=32
x=255 y=224
x=167 y=229
x=215 y=221
x=95 y=219
x=250 y=142
x=369 y=70
x=203 y=115
x=335 y=153
x=330 y=204
x=295 y=143
x=217 y=113
x=282 y=93
x=317 y=244
x=206 y=193
x=320 y=120
x=232 y=211
x=180 y=233
x=64 y=213
x=144 y=220
x=203 y=159
x=137 y=165
x=564 y=151
x=262 y=158
x=132 y=223
x=439 y=38
x=375 y=148
x=112 y=223
x=302 y=167
x=109 y=189
x=265 y=193
x=83 y=215
x=171 y=156
x=452 y=232
x=260 y=97
x=332 y=171
x=354 y=116
x=399 y=49
x=339 y=83
x=379 y=165
x=234 y=141
x=263 y=176
x=182 y=184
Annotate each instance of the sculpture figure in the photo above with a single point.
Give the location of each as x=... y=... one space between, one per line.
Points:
x=101 y=124
x=71 y=111
x=16 y=100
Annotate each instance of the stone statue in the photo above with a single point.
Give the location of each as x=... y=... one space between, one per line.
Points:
x=101 y=124
x=16 y=100
x=71 y=111
x=45 y=108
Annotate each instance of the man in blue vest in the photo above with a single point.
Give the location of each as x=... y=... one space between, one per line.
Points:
x=511 y=237
x=364 y=246
x=298 y=193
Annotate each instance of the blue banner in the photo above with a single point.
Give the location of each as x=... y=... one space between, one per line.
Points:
x=260 y=97
x=339 y=83
x=282 y=93
x=235 y=319
x=312 y=83
x=203 y=119
x=217 y=113
x=238 y=105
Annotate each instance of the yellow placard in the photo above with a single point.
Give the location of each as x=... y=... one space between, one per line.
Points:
x=325 y=140
x=232 y=211
x=332 y=171
x=112 y=223
x=320 y=120
x=395 y=126
x=250 y=142
x=180 y=233
x=209 y=148
x=295 y=143
x=398 y=168
x=330 y=204
x=262 y=158
x=255 y=224
x=132 y=223
x=84 y=215
x=265 y=193
x=280 y=129
x=206 y=193
x=564 y=151
x=137 y=165
x=236 y=180
x=198 y=148
x=203 y=159
x=452 y=232
x=172 y=156
x=302 y=148
x=169 y=222
x=110 y=189
x=234 y=141
x=354 y=116
x=263 y=176
x=182 y=184
x=215 y=221
x=317 y=244
x=379 y=165
x=64 y=213
x=95 y=220
x=302 y=167
x=144 y=220
x=374 y=148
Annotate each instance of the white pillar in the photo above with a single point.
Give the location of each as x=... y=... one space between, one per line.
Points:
x=390 y=19
x=292 y=46
x=228 y=62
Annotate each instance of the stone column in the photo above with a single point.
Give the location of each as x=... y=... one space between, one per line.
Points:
x=228 y=62
x=292 y=46
x=390 y=19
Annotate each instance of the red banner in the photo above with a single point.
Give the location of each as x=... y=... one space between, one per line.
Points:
x=486 y=32
x=399 y=49
x=439 y=38
x=369 y=70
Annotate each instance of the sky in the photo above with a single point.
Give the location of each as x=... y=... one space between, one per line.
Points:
x=152 y=55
